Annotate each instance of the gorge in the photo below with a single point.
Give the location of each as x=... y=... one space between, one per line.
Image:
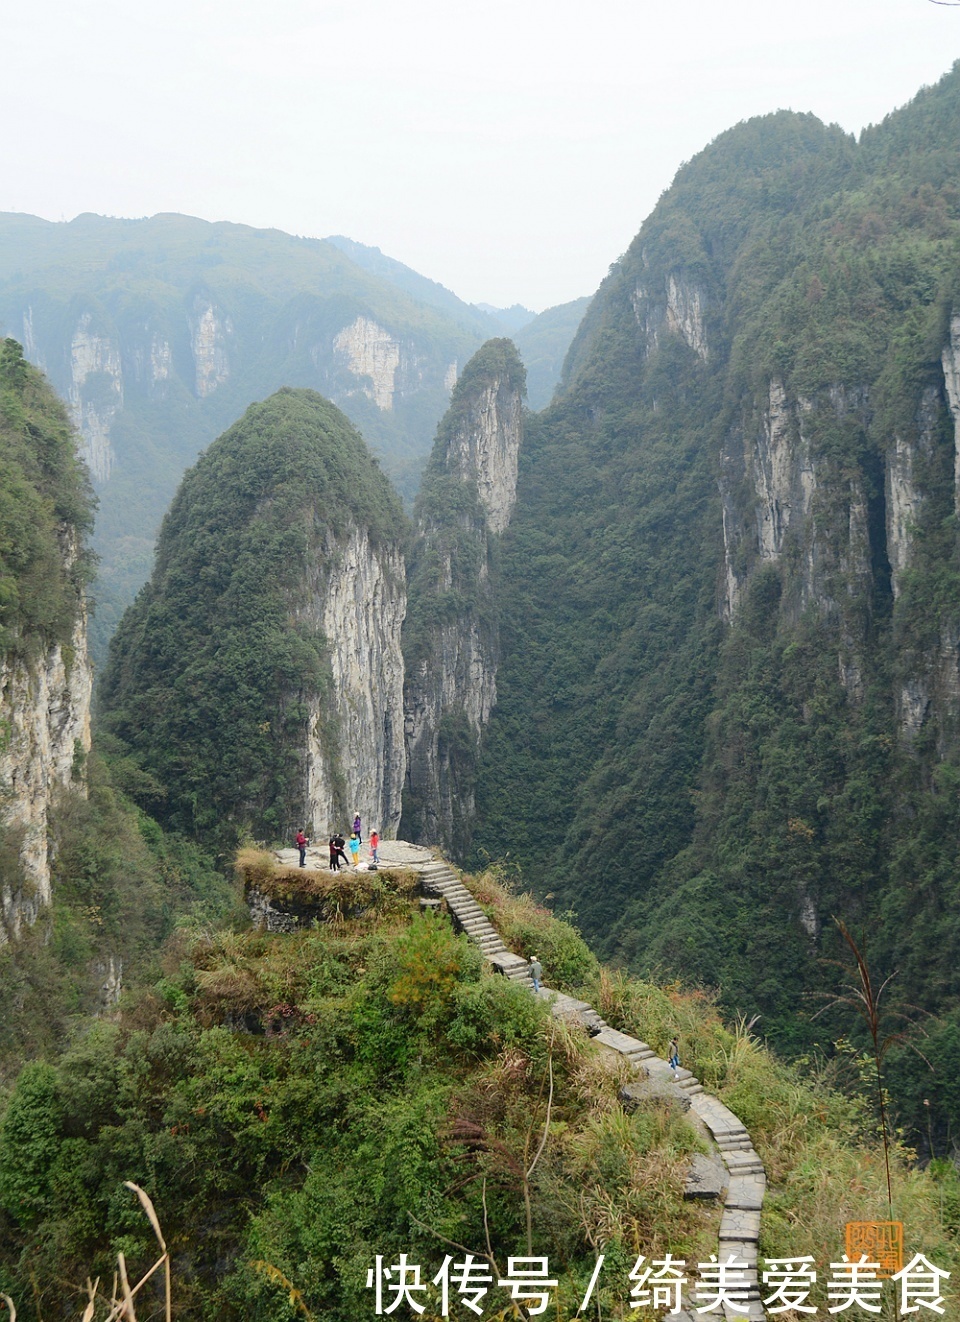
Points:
x=683 y=646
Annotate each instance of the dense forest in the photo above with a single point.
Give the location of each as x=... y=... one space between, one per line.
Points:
x=705 y=740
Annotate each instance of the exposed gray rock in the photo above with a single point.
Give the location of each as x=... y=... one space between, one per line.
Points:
x=706 y=1179
x=451 y=686
x=646 y=1092
x=45 y=712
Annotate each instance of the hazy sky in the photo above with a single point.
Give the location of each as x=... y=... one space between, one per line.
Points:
x=509 y=150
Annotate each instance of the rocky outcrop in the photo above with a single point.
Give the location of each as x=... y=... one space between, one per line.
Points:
x=96 y=394
x=45 y=677
x=371 y=354
x=451 y=641
x=279 y=589
x=210 y=333
x=774 y=499
x=678 y=308
x=950 y=360
x=355 y=755
x=45 y=711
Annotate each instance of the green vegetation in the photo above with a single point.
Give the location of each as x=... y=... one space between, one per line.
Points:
x=452 y=591
x=543 y=343
x=120 y=888
x=707 y=797
x=296 y=1105
x=212 y=672
x=46 y=510
x=279 y=301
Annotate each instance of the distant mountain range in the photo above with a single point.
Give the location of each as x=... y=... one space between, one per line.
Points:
x=159 y=332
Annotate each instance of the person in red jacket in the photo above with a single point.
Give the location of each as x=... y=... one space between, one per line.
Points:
x=302 y=843
x=374 y=845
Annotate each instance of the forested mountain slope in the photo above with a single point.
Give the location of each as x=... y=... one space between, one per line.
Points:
x=159 y=332
x=730 y=691
x=258 y=680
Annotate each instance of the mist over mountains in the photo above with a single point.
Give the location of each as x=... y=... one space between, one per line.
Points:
x=159 y=332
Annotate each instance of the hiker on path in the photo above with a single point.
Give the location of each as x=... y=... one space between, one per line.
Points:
x=334 y=854
x=536 y=972
x=302 y=843
x=339 y=842
x=374 y=846
x=354 y=846
x=356 y=827
x=673 y=1060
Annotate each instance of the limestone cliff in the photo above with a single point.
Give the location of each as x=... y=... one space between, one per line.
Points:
x=259 y=676
x=451 y=640
x=96 y=393
x=356 y=597
x=45 y=678
x=786 y=503
x=46 y=714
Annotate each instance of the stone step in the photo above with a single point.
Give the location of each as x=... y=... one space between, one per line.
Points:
x=697 y=1088
x=745 y=1157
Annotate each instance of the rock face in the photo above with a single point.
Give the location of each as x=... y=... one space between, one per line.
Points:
x=45 y=677
x=676 y=309
x=451 y=641
x=46 y=710
x=357 y=598
x=96 y=393
x=210 y=333
x=372 y=355
x=779 y=498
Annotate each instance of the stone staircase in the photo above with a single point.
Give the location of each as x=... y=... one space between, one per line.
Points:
x=440 y=879
x=745 y=1180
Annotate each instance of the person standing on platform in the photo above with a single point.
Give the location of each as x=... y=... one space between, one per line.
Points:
x=302 y=843
x=374 y=846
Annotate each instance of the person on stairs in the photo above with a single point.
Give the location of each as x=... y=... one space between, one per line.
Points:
x=536 y=972
x=673 y=1059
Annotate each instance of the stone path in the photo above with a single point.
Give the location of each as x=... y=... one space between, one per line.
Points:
x=746 y=1180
